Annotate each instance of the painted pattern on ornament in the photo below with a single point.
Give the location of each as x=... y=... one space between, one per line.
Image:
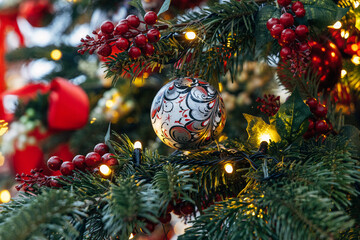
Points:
x=188 y=113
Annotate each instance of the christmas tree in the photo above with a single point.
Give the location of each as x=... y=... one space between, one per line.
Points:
x=294 y=173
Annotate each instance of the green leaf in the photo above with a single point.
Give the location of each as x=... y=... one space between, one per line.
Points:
x=353 y=134
x=164 y=7
x=138 y=5
x=262 y=34
x=323 y=13
x=291 y=119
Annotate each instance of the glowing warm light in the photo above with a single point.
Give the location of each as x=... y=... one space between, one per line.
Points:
x=333 y=54
x=347 y=34
x=3 y=127
x=56 y=54
x=138 y=145
x=228 y=168
x=190 y=35
x=139 y=82
x=131 y=236
x=343 y=73
x=92 y=120
x=356 y=60
x=337 y=25
x=265 y=137
x=105 y=170
x=5 y=196
x=332 y=45
x=2 y=159
x=356 y=4
x=342 y=33
x=221 y=87
x=109 y=103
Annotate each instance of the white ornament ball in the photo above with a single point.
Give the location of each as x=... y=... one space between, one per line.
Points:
x=188 y=113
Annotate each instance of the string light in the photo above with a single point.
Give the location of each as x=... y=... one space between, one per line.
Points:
x=3 y=127
x=356 y=4
x=343 y=73
x=137 y=153
x=190 y=35
x=228 y=168
x=355 y=59
x=221 y=87
x=56 y=54
x=92 y=120
x=131 y=236
x=109 y=103
x=2 y=159
x=5 y=196
x=265 y=137
x=105 y=170
x=137 y=145
x=337 y=25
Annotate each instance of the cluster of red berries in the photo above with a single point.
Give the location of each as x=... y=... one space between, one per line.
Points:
x=318 y=124
x=269 y=104
x=292 y=38
x=90 y=162
x=36 y=179
x=129 y=34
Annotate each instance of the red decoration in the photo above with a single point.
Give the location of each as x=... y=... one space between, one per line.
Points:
x=35 y=11
x=269 y=104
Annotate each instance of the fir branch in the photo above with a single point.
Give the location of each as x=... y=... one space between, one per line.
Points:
x=50 y=212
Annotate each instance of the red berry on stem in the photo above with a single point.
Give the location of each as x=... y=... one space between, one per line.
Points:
x=134 y=52
x=276 y=30
x=92 y=159
x=271 y=22
x=296 y=5
x=284 y=3
x=141 y=40
x=153 y=35
x=105 y=50
x=107 y=27
x=150 y=18
x=54 y=163
x=300 y=12
x=287 y=36
x=312 y=103
x=79 y=162
x=320 y=111
x=285 y=52
x=303 y=47
x=67 y=168
x=321 y=126
x=121 y=28
x=287 y=20
x=311 y=124
x=149 y=49
x=301 y=32
x=133 y=21
x=109 y=159
x=101 y=148
x=122 y=44
x=54 y=183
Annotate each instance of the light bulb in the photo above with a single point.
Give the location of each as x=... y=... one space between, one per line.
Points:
x=190 y=35
x=105 y=170
x=138 y=145
x=56 y=54
x=228 y=168
x=5 y=196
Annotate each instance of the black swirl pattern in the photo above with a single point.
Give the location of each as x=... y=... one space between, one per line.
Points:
x=188 y=113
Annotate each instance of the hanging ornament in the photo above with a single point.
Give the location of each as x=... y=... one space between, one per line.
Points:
x=37 y=12
x=188 y=113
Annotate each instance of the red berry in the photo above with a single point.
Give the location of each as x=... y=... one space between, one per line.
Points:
x=79 y=162
x=300 y=12
x=67 y=168
x=122 y=44
x=312 y=103
x=109 y=159
x=92 y=159
x=296 y=5
x=149 y=49
x=309 y=134
x=285 y=53
x=165 y=219
x=153 y=35
x=287 y=36
x=150 y=18
x=321 y=126
x=121 y=28
x=105 y=50
x=54 y=183
x=101 y=148
x=287 y=20
x=141 y=40
x=303 y=47
x=276 y=30
x=177 y=209
x=133 y=21
x=134 y=52
x=54 y=163
x=271 y=22
x=284 y=3
x=311 y=124
x=320 y=111
x=107 y=27
x=301 y=32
